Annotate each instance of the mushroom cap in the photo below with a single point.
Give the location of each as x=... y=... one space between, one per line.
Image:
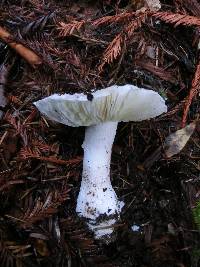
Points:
x=115 y=103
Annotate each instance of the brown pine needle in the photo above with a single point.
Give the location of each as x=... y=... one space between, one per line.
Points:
x=112 y=51
x=23 y=51
x=69 y=28
x=27 y=153
x=61 y=161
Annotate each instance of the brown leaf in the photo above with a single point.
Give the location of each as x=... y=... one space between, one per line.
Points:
x=175 y=142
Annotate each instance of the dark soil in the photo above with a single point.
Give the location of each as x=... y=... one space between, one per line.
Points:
x=41 y=161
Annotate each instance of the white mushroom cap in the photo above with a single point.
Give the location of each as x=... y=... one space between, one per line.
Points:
x=115 y=103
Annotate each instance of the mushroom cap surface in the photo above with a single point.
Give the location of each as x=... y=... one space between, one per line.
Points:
x=115 y=103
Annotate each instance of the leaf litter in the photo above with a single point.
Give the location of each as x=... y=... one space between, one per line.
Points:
x=175 y=142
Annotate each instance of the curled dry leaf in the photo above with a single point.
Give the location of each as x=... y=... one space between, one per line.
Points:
x=175 y=142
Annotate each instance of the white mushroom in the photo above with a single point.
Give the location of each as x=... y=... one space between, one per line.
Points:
x=101 y=114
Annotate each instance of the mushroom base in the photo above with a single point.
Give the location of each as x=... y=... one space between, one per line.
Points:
x=103 y=224
x=102 y=208
x=97 y=200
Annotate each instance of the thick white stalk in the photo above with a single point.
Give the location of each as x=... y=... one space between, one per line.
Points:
x=96 y=196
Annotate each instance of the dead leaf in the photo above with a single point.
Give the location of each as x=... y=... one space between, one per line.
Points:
x=175 y=142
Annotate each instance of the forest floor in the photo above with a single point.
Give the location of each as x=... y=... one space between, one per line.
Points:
x=68 y=46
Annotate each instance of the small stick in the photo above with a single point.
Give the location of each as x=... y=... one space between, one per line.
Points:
x=23 y=51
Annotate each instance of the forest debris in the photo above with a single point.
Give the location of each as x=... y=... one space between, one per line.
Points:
x=175 y=142
x=155 y=156
x=26 y=180
x=18 y=126
x=3 y=78
x=192 y=6
x=115 y=48
x=171 y=229
x=135 y=228
x=28 y=153
x=44 y=208
x=142 y=5
x=151 y=52
x=148 y=230
x=162 y=250
x=195 y=88
x=70 y=28
x=153 y=5
x=23 y=51
x=157 y=71
x=41 y=247
x=177 y=19
x=113 y=19
x=10 y=183
x=9 y=143
x=13 y=253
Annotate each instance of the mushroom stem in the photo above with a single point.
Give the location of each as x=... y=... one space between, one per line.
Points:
x=96 y=196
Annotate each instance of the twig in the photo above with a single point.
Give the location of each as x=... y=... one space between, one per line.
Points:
x=23 y=51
